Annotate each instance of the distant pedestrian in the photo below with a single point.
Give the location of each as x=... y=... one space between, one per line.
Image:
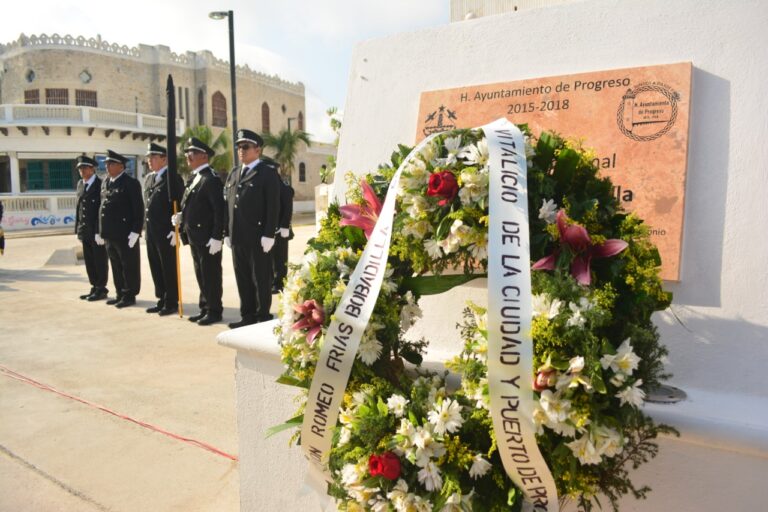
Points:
x=253 y=203
x=121 y=216
x=202 y=219
x=87 y=228
x=159 y=234
x=284 y=233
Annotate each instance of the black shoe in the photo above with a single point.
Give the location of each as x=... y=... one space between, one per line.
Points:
x=85 y=297
x=125 y=302
x=266 y=318
x=242 y=323
x=155 y=309
x=112 y=302
x=168 y=311
x=209 y=319
x=100 y=295
x=197 y=317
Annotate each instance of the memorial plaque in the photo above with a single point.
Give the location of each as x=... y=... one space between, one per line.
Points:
x=635 y=119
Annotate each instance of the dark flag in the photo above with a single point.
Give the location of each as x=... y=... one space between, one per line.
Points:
x=173 y=193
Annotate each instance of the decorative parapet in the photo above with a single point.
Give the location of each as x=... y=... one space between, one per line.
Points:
x=149 y=55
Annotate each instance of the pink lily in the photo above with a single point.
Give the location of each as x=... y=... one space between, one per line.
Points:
x=577 y=239
x=312 y=319
x=362 y=216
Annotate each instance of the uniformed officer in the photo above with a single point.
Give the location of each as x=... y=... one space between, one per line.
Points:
x=120 y=221
x=87 y=227
x=203 y=219
x=284 y=233
x=253 y=203
x=160 y=236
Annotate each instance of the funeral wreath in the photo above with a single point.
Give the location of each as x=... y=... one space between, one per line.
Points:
x=408 y=439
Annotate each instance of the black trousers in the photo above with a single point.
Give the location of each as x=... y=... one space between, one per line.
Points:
x=162 y=265
x=208 y=274
x=280 y=260
x=253 y=273
x=126 y=269
x=96 y=265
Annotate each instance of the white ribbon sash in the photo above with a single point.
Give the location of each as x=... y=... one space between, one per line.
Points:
x=510 y=346
x=508 y=269
x=342 y=339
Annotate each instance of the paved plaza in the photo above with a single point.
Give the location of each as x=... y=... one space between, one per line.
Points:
x=59 y=454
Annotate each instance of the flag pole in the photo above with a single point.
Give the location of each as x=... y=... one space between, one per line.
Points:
x=173 y=193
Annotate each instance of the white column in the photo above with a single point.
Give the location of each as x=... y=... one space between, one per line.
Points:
x=15 y=177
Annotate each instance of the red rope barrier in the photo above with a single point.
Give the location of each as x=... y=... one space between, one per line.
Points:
x=15 y=375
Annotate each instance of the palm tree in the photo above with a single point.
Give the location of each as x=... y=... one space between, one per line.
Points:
x=286 y=145
x=221 y=161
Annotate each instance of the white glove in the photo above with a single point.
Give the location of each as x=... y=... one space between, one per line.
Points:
x=285 y=232
x=172 y=237
x=99 y=240
x=176 y=219
x=267 y=243
x=132 y=239
x=214 y=246
x=228 y=241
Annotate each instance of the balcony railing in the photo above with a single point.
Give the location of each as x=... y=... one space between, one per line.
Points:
x=86 y=117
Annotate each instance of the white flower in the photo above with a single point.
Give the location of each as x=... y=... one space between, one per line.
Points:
x=474 y=186
x=479 y=249
x=417 y=230
x=480 y=467
x=446 y=417
x=427 y=448
x=346 y=416
x=410 y=312
x=352 y=474
x=572 y=380
x=369 y=350
x=457 y=502
x=555 y=409
x=577 y=319
x=607 y=441
x=548 y=211
x=388 y=286
x=416 y=205
x=632 y=394
x=359 y=398
x=430 y=477
x=545 y=305
x=344 y=436
x=625 y=361
x=453 y=145
x=476 y=154
x=576 y=364
x=584 y=450
x=433 y=248
x=396 y=404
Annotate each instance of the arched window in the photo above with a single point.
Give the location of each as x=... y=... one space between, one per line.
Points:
x=301 y=121
x=200 y=107
x=302 y=172
x=219 y=108
x=265 y=117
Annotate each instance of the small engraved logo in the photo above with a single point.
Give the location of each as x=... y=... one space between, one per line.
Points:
x=444 y=122
x=648 y=111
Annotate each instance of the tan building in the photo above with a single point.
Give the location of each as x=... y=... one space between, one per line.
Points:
x=61 y=96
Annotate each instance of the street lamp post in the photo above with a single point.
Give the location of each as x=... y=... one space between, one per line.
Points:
x=220 y=15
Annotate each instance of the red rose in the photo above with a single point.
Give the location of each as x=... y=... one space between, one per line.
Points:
x=443 y=184
x=387 y=465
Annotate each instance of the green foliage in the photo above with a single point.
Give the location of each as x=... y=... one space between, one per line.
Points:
x=286 y=145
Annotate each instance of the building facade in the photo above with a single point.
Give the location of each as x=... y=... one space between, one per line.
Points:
x=61 y=96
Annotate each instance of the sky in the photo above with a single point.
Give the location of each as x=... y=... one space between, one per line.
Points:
x=299 y=40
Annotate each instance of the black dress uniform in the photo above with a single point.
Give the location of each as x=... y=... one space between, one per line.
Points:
x=281 y=242
x=160 y=253
x=121 y=213
x=86 y=227
x=203 y=217
x=253 y=204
